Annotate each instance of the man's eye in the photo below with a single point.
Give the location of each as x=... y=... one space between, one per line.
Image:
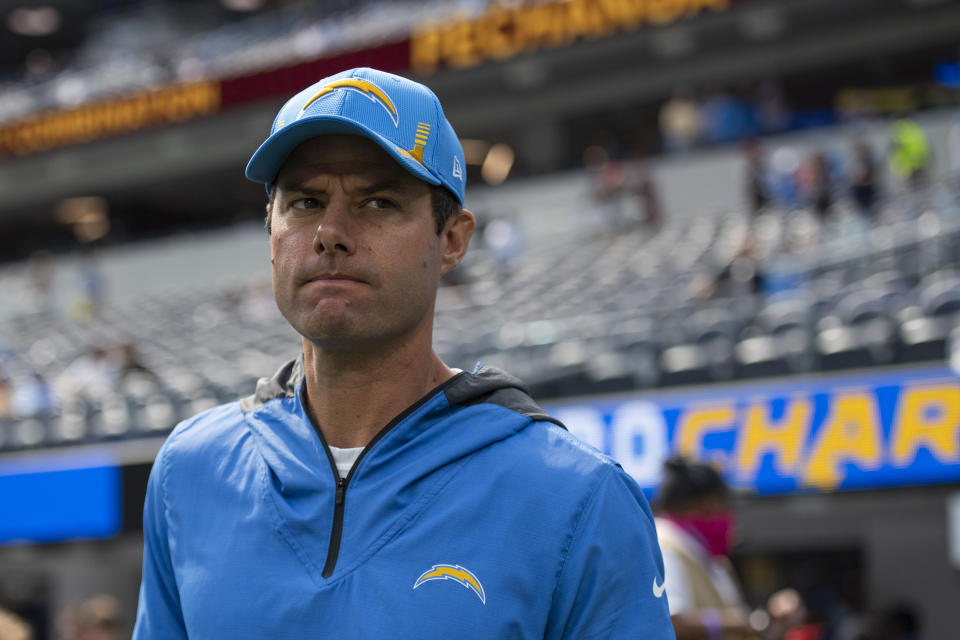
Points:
x=381 y=203
x=305 y=203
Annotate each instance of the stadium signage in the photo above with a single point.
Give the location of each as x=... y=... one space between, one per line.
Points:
x=50 y=498
x=856 y=432
x=503 y=32
x=108 y=118
x=894 y=100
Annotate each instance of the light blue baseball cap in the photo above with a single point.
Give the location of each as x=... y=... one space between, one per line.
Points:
x=402 y=116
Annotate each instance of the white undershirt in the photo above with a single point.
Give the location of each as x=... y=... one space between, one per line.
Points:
x=344 y=458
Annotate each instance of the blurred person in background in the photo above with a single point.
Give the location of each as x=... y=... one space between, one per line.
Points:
x=898 y=622
x=88 y=297
x=786 y=169
x=609 y=184
x=773 y=115
x=818 y=184
x=788 y=618
x=953 y=151
x=727 y=117
x=92 y=376
x=646 y=196
x=501 y=237
x=909 y=152
x=681 y=121
x=310 y=508
x=757 y=176
x=99 y=619
x=130 y=364
x=12 y=627
x=6 y=394
x=695 y=524
x=847 y=617
x=863 y=179
x=32 y=396
x=743 y=277
x=40 y=277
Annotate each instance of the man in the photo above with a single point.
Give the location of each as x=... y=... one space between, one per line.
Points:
x=295 y=513
x=12 y=627
x=95 y=619
x=695 y=525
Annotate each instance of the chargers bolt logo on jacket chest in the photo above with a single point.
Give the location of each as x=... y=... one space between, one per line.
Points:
x=456 y=573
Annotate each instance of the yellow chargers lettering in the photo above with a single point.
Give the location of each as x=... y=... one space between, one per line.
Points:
x=698 y=422
x=785 y=438
x=104 y=119
x=503 y=32
x=928 y=416
x=850 y=434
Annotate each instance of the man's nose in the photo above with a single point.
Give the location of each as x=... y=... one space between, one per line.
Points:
x=335 y=231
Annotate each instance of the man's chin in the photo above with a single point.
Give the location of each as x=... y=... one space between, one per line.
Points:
x=332 y=334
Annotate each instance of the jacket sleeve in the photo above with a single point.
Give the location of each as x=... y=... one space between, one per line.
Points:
x=611 y=582
x=158 y=612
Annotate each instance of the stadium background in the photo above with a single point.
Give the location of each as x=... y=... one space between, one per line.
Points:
x=625 y=275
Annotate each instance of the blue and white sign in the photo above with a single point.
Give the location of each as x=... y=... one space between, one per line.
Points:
x=890 y=429
x=50 y=499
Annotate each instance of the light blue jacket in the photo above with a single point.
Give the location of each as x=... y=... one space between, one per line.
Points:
x=471 y=515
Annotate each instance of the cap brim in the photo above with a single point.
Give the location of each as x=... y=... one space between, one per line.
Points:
x=266 y=162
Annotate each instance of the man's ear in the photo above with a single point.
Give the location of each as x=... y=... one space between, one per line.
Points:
x=455 y=238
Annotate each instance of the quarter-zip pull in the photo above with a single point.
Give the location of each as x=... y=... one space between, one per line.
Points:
x=333 y=552
x=337 y=532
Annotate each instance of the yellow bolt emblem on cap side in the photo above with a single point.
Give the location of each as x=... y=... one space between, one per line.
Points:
x=420 y=141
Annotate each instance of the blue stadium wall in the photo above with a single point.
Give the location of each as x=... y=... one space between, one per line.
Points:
x=895 y=428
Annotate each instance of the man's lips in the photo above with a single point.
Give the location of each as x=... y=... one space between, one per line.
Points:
x=334 y=277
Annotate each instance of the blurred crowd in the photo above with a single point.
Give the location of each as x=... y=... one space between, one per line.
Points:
x=159 y=43
x=789 y=181
x=842 y=187
x=103 y=371
x=97 y=618
x=29 y=389
x=697 y=528
x=624 y=194
x=723 y=115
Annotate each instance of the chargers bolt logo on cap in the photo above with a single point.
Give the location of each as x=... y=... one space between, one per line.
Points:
x=364 y=86
x=402 y=116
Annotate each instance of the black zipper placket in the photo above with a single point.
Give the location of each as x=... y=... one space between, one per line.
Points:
x=341 y=493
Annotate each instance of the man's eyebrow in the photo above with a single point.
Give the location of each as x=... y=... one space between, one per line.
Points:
x=378 y=187
x=384 y=185
x=296 y=184
x=301 y=188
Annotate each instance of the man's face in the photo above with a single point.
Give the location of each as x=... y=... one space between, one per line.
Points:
x=355 y=254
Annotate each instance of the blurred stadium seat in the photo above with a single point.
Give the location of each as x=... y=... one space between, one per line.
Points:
x=571 y=320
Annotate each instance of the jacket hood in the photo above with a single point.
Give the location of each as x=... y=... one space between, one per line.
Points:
x=483 y=385
x=399 y=472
